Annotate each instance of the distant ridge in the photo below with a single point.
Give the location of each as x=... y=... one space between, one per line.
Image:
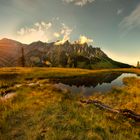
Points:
x=43 y=54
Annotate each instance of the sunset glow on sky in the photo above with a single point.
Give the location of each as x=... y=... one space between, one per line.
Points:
x=112 y=25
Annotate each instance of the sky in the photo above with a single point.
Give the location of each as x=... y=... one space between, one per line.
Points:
x=112 y=25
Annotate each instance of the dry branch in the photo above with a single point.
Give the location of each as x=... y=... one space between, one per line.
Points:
x=125 y=112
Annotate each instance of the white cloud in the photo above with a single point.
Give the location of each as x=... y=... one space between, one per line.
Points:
x=48 y=32
x=83 y=39
x=56 y=35
x=119 y=11
x=36 y=32
x=79 y=2
x=65 y=32
x=45 y=31
x=131 y=21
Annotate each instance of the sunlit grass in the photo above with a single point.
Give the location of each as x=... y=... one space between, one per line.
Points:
x=46 y=112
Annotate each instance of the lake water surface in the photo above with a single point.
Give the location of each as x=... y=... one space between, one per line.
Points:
x=89 y=85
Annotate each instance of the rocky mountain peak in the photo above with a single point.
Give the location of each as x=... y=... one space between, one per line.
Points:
x=65 y=54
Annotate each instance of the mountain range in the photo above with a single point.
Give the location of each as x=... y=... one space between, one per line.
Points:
x=41 y=54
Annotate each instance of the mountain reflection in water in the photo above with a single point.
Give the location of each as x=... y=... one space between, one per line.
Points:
x=88 y=85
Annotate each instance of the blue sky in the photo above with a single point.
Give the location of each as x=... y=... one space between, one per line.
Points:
x=113 y=25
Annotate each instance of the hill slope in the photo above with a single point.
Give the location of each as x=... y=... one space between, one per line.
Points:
x=50 y=54
x=9 y=52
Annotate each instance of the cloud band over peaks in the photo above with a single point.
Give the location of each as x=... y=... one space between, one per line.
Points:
x=79 y=2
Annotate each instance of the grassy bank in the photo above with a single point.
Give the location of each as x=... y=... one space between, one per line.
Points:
x=43 y=111
x=58 y=72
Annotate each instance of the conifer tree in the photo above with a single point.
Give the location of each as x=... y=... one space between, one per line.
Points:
x=22 y=57
x=138 y=64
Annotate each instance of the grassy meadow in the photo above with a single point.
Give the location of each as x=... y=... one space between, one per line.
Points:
x=40 y=111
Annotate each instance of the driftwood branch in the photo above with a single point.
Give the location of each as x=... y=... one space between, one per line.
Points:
x=125 y=112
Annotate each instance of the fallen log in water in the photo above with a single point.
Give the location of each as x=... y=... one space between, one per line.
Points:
x=125 y=112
